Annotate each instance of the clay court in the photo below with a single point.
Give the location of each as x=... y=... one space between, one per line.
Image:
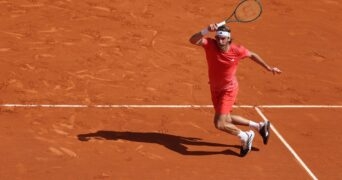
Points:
x=114 y=90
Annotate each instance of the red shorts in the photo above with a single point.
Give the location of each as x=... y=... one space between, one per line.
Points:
x=223 y=100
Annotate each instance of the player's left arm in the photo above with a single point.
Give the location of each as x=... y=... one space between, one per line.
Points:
x=256 y=58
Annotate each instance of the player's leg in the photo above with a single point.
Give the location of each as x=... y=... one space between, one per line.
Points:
x=261 y=127
x=223 y=102
x=224 y=123
x=239 y=120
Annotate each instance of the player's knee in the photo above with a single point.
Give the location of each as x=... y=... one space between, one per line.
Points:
x=222 y=121
x=220 y=124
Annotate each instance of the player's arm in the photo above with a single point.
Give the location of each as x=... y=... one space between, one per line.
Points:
x=256 y=58
x=198 y=38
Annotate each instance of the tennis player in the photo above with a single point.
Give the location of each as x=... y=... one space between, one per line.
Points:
x=223 y=58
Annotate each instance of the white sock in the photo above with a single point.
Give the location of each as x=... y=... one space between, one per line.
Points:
x=262 y=124
x=255 y=125
x=243 y=136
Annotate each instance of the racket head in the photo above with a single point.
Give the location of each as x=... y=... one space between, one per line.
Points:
x=248 y=11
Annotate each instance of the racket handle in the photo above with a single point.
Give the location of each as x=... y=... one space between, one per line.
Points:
x=221 y=23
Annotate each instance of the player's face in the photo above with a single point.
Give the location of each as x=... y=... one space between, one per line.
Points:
x=222 y=42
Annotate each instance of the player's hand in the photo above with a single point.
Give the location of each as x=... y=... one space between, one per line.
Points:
x=275 y=70
x=212 y=27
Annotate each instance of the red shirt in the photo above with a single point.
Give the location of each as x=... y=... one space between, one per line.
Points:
x=222 y=66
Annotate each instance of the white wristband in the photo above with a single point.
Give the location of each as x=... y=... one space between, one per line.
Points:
x=204 y=31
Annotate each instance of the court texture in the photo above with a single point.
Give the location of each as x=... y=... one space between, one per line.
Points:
x=113 y=90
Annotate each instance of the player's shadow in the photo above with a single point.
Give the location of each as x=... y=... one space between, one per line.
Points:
x=172 y=142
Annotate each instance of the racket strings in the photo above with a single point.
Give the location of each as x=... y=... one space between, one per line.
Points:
x=248 y=11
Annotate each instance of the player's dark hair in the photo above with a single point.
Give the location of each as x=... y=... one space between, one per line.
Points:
x=223 y=28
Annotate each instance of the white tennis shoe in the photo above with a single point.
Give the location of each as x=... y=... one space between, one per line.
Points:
x=246 y=146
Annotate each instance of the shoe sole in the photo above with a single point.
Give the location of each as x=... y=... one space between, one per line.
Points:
x=267 y=129
x=250 y=141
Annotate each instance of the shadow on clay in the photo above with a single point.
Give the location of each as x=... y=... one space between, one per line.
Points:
x=172 y=142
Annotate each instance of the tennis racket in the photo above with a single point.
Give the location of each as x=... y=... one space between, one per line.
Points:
x=245 y=11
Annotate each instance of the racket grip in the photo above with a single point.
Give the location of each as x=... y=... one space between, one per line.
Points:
x=221 y=23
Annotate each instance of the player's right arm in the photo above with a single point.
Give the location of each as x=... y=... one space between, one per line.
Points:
x=198 y=38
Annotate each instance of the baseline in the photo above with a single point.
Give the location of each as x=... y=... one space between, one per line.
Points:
x=160 y=106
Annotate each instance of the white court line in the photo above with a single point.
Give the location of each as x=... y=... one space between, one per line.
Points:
x=44 y=105
x=111 y=106
x=300 y=106
x=161 y=106
x=287 y=145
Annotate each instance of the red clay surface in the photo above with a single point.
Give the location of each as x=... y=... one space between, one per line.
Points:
x=314 y=135
x=137 y=52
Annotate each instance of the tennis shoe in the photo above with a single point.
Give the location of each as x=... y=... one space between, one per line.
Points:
x=247 y=145
x=265 y=132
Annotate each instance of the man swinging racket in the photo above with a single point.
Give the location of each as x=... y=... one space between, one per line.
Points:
x=223 y=57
